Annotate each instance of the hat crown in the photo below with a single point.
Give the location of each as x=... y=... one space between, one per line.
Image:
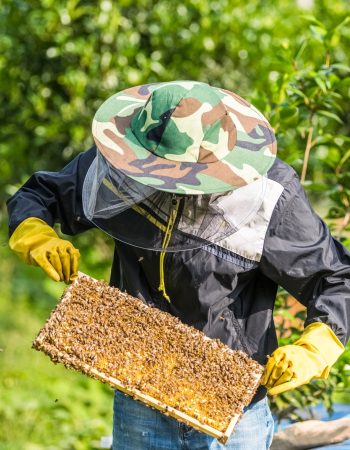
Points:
x=185 y=121
x=185 y=137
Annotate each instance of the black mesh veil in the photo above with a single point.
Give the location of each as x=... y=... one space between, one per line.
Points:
x=156 y=220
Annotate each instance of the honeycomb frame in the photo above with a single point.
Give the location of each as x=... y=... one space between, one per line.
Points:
x=65 y=339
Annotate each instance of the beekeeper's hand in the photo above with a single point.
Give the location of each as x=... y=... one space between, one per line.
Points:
x=311 y=356
x=39 y=245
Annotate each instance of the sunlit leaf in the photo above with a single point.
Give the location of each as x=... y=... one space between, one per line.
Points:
x=330 y=115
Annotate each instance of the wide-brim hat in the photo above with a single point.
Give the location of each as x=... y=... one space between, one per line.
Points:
x=184 y=137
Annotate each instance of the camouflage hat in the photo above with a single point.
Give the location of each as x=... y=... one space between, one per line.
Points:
x=184 y=137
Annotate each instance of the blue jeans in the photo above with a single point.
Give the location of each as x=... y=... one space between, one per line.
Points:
x=138 y=427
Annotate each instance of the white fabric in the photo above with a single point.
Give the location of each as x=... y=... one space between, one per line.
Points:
x=248 y=240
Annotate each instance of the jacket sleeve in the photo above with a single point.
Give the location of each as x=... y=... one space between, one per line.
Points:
x=54 y=197
x=301 y=256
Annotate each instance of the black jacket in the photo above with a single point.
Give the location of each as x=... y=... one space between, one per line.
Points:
x=228 y=289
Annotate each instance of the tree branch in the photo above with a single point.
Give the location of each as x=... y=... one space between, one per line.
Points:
x=306 y=154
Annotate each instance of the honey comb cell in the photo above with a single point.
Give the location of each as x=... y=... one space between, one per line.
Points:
x=151 y=355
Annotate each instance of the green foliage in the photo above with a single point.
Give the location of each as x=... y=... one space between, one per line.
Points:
x=43 y=406
x=310 y=115
x=59 y=60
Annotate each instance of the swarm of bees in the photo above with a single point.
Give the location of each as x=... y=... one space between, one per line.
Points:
x=99 y=329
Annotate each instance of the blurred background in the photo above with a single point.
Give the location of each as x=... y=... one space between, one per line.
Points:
x=59 y=60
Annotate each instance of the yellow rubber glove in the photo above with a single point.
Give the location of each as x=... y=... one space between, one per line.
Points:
x=37 y=244
x=311 y=356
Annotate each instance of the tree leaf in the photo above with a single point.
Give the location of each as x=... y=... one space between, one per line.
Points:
x=342 y=24
x=300 y=50
x=319 y=32
x=312 y=19
x=344 y=158
x=330 y=115
x=321 y=84
x=341 y=66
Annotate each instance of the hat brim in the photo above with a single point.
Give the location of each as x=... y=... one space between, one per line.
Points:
x=251 y=158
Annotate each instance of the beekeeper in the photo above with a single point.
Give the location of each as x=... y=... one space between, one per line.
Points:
x=207 y=223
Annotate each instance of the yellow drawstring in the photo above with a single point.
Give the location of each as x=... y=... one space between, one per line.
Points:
x=166 y=240
x=167 y=230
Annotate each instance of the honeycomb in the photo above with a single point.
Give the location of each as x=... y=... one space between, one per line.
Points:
x=112 y=336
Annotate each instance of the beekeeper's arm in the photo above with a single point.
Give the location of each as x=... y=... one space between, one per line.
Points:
x=47 y=198
x=301 y=255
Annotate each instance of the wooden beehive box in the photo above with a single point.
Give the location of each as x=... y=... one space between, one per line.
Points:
x=151 y=356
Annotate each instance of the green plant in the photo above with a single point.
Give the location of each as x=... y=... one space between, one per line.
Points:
x=309 y=116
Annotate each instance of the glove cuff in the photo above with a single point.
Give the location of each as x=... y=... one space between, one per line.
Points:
x=318 y=337
x=28 y=235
